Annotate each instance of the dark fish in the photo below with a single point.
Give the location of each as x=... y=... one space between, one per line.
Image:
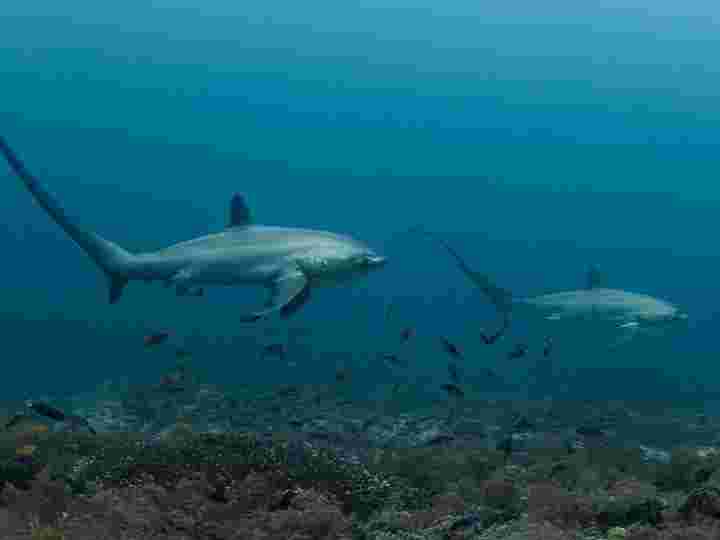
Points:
x=454 y=373
x=395 y=389
x=492 y=338
x=547 y=347
x=174 y=381
x=590 y=431
x=15 y=420
x=274 y=349
x=453 y=390
x=182 y=353
x=170 y=385
x=490 y=373
x=519 y=351
x=466 y=521
x=393 y=359
x=570 y=446
x=451 y=348
x=289 y=390
x=389 y=309
x=156 y=339
x=523 y=424
x=439 y=439
x=369 y=422
x=506 y=446
x=43 y=409
x=75 y=422
x=341 y=375
x=406 y=334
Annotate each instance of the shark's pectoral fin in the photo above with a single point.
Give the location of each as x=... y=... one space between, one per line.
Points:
x=297 y=301
x=181 y=280
x=630 y=324
x=629 y=330
x=288 y=293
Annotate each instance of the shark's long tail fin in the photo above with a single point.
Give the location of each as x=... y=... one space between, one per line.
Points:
x=500 y=298
x=113 y=260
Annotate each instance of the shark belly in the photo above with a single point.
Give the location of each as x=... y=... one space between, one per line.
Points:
x=228 y=268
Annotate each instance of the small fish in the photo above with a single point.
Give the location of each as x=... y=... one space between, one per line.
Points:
x=341 y=375
x=571 y=446
x=171 y=383
x=454 y=373
x=440 y=439
x=490 y=339
x=590 y=431
x=156 y=339
x=389 y=310
x=273 y=349
x=547 y=347
x=395 y=389
x=523 y=424
x=451 y=348
x=519 y=351
x=466 y=521
x=43 y=409
x=288 y=391
x=393 y=359
x=490 y=373
x=453 y=390
x=506 y=446
x=181 y=353
x=76 y=422
x=406 y=334
x=16 y=419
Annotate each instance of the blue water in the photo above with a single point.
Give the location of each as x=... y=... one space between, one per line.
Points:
x=537 y=137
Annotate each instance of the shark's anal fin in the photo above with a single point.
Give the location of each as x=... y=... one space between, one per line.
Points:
x=288 y=293
x=239 y=212
x=116 y=286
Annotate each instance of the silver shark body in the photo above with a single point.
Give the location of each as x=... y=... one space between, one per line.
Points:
x=604 y=303
x=288 y=261
x=629 y=314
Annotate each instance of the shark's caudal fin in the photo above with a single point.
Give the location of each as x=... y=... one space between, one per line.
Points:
x=113 y=260
x=501 y=298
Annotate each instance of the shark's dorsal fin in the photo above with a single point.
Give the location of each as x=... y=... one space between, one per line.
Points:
x=594 y=278
x=239 y=212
